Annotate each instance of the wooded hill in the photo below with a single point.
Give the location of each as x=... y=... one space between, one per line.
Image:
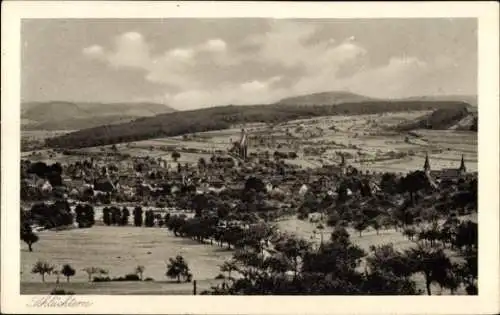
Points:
x=217 y=118
x=459 y=118
x=57 y=115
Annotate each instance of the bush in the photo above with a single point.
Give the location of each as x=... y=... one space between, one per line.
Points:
x=101 y=279
x=149 y=279
x=132 y=277
x=61 y=292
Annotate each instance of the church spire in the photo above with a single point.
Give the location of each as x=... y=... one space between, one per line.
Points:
x=462 y=165
x=427 y=165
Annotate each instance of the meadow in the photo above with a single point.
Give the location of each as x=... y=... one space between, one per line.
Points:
x=119 y=250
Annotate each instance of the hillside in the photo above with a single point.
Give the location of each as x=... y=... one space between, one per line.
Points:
x=217 y=118
x=325 y=98
x=469 y=99
x=458 y=118
x=70 y=115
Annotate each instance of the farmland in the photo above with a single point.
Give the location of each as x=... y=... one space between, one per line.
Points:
x=364 y=138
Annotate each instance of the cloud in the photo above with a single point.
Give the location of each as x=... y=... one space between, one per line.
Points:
x=263 y=68
x=245 y=93
x=94 y=51
x=215 y=45
x=130 y=51
x=392 y=79
x=178 y=68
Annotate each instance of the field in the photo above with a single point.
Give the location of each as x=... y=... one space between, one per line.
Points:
x=119 y=250
x=365 y=139
x=42 y=134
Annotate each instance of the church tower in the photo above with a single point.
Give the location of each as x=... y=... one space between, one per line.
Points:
x=462 y=169
x=243 y=145
x=342 y=164
x=427 y=165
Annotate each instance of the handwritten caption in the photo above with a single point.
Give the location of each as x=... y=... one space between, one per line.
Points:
x=58 y=301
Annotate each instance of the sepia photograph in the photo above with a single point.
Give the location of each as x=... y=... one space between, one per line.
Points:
x=248 y=156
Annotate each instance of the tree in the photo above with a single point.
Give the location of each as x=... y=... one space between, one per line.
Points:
x=57 y=273
x=175 y=156
x=42 y=268
x=28 y=236
x=466 y=236
x=137 y=216
x=202 y=163
x=375 y=223
x=294 y=249
x=386 y=259
x=124 y=216
x=68 y=271
x=84 y=215
x=229 y=266
x=149 y=220
x=414 y=182
x=106 y=217
x=432 y=262
x=467 y=272
x=360 y=225
x=200 y=203
x=139 y=270
x=94 y=270
x=321 y=227
x=410 y=232
x=115 y=215
x=177 y=268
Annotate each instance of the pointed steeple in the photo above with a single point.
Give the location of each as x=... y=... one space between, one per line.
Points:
x=427 y=165
x=462 y=165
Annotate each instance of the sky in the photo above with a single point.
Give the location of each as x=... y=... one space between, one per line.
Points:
x=197 y=63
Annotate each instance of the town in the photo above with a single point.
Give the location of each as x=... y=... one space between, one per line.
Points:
x=269 y=217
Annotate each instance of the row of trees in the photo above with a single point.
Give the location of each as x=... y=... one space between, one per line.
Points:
x=43 y=268
x=336 y=267
x=177 y=268
x=59 y=214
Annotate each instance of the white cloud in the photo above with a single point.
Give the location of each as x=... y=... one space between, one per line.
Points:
x=251 y=92
x=209 y=73
x=181 y=54
x=390 y=80
x=94 y=51
x=215 y=45
x=130 y=51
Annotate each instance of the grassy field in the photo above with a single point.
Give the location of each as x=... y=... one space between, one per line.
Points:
x=119 y=250
x=118 y=288
x=304 y=229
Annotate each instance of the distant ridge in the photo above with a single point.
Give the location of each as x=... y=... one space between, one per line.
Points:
x=469 y=99
x=326 y=98
x=61 y=115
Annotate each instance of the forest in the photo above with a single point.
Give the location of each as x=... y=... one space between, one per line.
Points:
x=217 y=118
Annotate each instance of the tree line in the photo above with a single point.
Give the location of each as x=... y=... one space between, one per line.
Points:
x=341 y=268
